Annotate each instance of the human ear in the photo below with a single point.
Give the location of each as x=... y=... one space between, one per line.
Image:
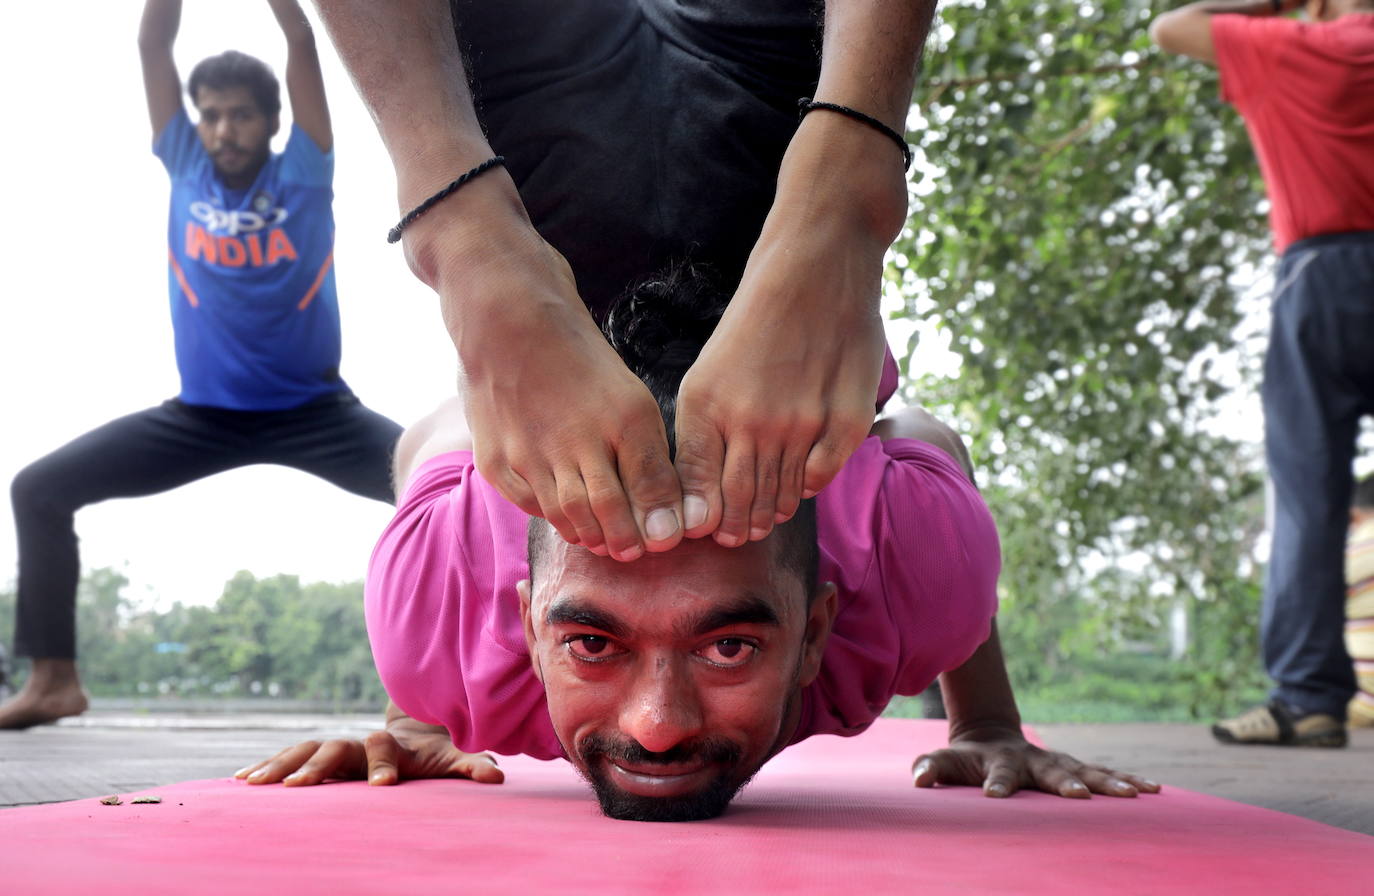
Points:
x=527 y=623
x=819 y=620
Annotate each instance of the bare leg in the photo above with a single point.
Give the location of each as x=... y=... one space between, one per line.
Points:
x=53 y=691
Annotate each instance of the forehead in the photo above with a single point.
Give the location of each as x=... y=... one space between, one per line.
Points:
x=224 y=97
x=698 y=575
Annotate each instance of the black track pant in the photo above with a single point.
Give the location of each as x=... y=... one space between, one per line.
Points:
x=152 y=451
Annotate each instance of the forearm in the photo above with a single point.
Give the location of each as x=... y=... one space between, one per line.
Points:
x=295 y=27
x=978 y=694
x=157 y=30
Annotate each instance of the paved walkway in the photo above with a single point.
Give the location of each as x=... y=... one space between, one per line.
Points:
x=103 y=752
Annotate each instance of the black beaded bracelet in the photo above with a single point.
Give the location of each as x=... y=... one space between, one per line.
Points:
x=394 y=235
x=807 y=104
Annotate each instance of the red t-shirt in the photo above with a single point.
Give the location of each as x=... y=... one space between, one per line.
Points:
x=1306 y=92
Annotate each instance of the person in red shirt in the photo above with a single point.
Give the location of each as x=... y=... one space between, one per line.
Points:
x=1306 y=92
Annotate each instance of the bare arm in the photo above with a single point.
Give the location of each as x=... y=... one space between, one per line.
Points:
x=157 y=33
x=1187 y=31
x=304 y=82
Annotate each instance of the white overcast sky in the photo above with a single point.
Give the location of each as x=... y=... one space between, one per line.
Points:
x=85 y=333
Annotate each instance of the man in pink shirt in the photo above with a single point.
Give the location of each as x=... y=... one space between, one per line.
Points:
x=1306 y=92
x=670 y=680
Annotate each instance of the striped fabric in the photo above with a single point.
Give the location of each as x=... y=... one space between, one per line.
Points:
x=1359 y=615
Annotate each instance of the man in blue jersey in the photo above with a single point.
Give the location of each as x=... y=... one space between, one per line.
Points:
x=256 y=321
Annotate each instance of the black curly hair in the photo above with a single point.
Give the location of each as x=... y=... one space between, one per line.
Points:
x=234 y=69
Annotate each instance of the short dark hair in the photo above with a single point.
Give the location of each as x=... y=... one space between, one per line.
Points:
x=234 y=69
x=1363 y=495
x=658 y=328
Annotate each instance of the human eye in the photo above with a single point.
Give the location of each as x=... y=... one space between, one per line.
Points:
x=728 y=653
x=591 y=648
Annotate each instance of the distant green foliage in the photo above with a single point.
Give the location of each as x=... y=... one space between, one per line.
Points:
x=1080 y=241
x=263 y=637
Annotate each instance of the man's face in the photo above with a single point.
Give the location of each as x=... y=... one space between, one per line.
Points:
x=234 y=130
x=670 y=680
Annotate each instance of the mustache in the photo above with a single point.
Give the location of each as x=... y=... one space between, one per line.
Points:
x=709 y=750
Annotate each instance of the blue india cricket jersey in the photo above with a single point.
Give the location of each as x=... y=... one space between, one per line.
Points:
x=251 y=276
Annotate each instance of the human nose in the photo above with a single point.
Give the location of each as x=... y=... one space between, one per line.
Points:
x=663 y=709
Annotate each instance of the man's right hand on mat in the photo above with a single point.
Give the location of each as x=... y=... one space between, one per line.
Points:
x=384 y=757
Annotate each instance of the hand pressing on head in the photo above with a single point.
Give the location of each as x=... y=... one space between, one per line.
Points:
x=1002 y=761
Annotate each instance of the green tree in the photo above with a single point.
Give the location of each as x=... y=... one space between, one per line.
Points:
x=1090 y=210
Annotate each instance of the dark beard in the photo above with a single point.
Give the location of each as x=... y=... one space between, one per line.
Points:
x=708 y=802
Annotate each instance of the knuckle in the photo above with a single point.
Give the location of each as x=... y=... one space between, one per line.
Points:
x=379 y=739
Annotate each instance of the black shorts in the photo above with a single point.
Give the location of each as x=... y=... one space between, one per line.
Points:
x=642 y=132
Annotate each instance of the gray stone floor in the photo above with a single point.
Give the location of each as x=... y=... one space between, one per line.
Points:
x=109 y=752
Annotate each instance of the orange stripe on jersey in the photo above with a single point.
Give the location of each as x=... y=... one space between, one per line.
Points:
x=315 y=287
x=181 y=280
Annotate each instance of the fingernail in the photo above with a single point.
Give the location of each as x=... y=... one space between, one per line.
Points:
x=694 y=509
x=1149 y=783
x=997 y=790
x=257 y=774
x=758 y=534
x=294 y=776
x=1122 y=787
x=377 y=777
x=1077 y=787
x=727 y=540
x=921 y=768
x=780 y=517
x=661 y=524
x=241 y=772
x=634 y=552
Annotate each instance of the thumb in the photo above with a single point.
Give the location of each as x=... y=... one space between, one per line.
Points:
x=382 y=751
x=479 y=767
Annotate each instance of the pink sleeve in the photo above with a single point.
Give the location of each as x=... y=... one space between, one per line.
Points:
x=1248 y=51
x=937 y=561
x=443 y=613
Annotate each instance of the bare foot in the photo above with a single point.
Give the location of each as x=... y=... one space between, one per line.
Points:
x=53 y=691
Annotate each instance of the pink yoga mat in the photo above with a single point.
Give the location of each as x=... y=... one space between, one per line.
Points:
x=829 y=816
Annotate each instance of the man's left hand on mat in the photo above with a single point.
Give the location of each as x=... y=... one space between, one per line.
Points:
x=382 y=758
x=1006 y=762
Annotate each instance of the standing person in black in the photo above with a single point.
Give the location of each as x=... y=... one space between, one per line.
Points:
x=637 y=133
x=256 y=321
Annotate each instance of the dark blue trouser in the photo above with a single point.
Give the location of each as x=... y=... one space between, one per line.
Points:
x=1318 y=383
x=152 y=451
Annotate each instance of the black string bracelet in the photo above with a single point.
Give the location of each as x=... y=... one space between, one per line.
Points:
x=807 y=104
x=394 y=234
